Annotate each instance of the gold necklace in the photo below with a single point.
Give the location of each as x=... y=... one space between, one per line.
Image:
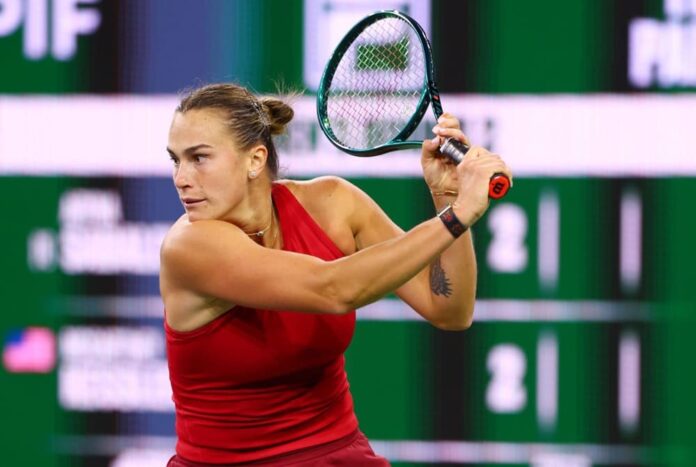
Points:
x=263 y=231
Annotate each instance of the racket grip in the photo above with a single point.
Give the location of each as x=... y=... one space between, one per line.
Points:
x=456 y=150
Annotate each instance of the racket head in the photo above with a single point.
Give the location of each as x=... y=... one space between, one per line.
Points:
x=376 y=87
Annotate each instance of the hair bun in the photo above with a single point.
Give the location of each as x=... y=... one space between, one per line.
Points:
x=279 y=114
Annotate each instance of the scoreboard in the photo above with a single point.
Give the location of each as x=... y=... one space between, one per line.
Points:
x=580 y=353
x=564 y=362
x=568 y=361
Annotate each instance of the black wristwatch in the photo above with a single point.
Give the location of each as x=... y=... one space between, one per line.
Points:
x=453 y=224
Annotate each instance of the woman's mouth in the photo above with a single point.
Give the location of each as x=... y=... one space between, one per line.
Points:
x=192 y=202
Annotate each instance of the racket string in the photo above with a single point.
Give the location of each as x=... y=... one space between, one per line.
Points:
x=377 y=86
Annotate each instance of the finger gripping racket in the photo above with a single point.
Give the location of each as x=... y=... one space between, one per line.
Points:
x=376 y=89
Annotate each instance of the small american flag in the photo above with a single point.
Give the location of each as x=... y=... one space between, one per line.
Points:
x=30 y=350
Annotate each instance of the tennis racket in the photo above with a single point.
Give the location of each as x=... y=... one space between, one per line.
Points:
x=376 y=89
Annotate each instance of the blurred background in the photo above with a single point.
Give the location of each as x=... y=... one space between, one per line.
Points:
x=581 y=353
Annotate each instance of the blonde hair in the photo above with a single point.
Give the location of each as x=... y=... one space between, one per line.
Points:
x=250 y=119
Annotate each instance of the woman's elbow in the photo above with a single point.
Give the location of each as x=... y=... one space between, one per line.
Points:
x=328 y=301
x=326 y=304
x=341 y=295
x=457 y=322
x=336 y=306
x=337 y=298
x=454 y=325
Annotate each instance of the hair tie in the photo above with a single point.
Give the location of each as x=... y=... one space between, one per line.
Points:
x=262 y=115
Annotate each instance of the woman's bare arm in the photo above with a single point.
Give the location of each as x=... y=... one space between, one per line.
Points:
x=216 y=259
x=444 y=291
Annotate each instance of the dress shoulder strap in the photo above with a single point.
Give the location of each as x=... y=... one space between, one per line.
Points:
x=300 y=231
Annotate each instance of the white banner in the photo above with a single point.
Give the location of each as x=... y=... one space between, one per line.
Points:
x=556 y=135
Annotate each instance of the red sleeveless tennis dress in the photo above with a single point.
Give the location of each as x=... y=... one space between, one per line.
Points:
x=256 y=385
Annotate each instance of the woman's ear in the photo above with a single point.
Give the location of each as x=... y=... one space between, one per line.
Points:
x=257 y=160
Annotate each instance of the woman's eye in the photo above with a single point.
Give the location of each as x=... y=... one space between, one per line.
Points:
x=199 y=158
x=174 y=160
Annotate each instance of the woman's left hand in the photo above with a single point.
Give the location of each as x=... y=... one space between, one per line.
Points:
x=438 y=170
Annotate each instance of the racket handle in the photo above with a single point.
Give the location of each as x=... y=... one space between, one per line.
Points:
x=456 y=150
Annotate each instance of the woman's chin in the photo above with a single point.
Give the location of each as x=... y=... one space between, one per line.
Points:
x=195 y=216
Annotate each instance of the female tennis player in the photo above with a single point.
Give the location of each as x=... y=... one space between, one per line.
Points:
x=260 y=279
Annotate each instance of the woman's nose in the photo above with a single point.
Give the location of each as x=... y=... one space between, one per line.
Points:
x=181 y=176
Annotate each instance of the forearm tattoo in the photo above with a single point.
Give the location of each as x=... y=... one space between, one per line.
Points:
x=439 y=283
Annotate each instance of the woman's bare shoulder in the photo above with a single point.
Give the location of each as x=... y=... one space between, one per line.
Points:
x=319 y=191
x=184 y=237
